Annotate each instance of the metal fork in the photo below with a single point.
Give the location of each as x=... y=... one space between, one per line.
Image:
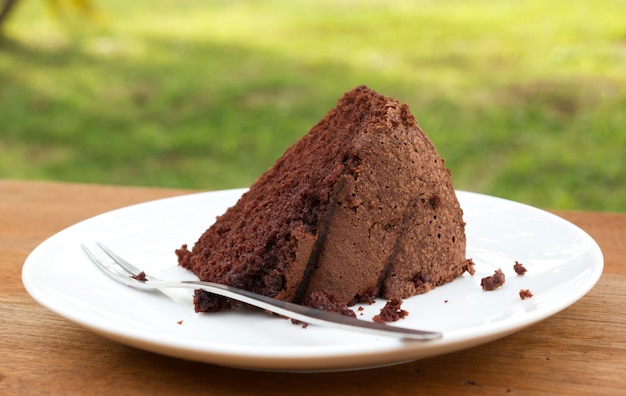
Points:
x=134 y=277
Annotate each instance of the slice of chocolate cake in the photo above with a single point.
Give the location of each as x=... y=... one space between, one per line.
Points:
x=360 y=207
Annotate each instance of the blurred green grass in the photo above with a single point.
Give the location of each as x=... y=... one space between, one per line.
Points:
x=525 y=99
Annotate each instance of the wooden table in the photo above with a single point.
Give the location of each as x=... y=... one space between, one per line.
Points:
x=580 y=350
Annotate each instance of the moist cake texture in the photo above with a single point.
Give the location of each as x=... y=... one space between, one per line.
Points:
x=360 y=207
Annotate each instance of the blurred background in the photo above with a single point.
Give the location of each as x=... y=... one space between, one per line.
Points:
x=526 y=100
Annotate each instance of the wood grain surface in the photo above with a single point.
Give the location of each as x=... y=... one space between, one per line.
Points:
x=581 y=350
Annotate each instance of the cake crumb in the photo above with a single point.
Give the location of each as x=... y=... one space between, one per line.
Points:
x=494 y=281
x=519 y=268
x=470 y=266
x=391 y=312
x=140 y=277
x=525 y=293
x=179 y=322
x=296 y=322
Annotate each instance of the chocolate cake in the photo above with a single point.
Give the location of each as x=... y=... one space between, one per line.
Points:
x=360 y=207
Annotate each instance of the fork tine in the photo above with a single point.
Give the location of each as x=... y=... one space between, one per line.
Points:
x=126 y=280
x=128 y=267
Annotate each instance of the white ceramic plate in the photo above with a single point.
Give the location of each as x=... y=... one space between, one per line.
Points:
x=563 y=264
